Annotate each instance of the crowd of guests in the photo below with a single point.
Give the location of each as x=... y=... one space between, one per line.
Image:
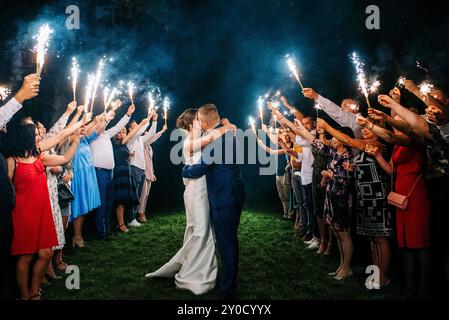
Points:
x=52 y=179
x=384 y=177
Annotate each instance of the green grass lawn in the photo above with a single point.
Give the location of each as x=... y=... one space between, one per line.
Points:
x=274 y=264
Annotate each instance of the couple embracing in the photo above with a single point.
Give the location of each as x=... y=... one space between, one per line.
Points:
x=213 y=198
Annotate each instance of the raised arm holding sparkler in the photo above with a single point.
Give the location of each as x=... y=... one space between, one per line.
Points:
x=424 y=93
x=298 y=114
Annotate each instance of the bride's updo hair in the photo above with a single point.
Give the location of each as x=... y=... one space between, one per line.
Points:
x=185 y=120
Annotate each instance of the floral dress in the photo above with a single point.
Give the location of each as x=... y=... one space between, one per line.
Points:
x=52 y=183
x=338 y=203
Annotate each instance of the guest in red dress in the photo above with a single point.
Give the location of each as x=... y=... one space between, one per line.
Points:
x=32 y=217
x=412 y=224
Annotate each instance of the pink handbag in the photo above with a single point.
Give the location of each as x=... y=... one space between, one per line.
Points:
x=398 y=200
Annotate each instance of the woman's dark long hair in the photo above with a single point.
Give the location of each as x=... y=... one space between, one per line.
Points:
x=21 y=141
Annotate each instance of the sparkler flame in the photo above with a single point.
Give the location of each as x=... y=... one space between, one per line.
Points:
x=364 y=86
x=131 y=88
x=260 y=102
x=419 y=66
x=97 y=81
x=74 y=72
x=166 y=106
x=4 y=92
x=294 y=70
x=252 y=123
x=425 y=88
x=401 y=81
x=89 y=90
x=151 y=102
x=42 y=39
x=374 y=86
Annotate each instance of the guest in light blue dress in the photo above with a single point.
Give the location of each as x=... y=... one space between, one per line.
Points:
x=84 y=187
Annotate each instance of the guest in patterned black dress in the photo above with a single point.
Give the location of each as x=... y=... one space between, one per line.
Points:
x=339 y=203
x=125 y=190
x=320 y=162
x=374 y=215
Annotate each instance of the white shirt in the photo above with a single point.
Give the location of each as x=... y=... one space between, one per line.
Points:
x=345 y=119
x=101 y=148
x=8 y=110
x=307 y=159
x=136 y=145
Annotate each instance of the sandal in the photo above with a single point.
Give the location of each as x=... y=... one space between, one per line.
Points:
x=122 y=228
x=35 y=296
x=61 y=265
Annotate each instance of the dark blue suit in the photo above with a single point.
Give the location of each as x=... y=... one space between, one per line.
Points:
x=226 y=192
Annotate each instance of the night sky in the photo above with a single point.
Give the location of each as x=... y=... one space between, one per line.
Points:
x=224 y=52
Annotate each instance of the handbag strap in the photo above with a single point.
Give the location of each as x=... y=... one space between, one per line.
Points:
x=414 y=185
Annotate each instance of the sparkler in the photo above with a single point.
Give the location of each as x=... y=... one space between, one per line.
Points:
x=354 y=107
x=42 y=39
x=363 y=85
x=151 y=102
x=425 y=88
x=4 y=92
x=317 y=107
x=75 y=71
x=89 y=88
x=96 y=83
x=252 y=123
x=111 y=97
x=419 y=66
x=292 y=66
x=374 y=86
x=106 y=98
x=275 y=122
x=166 y=105
x=131 y=88
x=401 y=81
x=260 y=107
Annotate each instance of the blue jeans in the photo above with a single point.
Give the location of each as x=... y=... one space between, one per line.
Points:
x=103 y=212
x=300 y=201
x=310 y=228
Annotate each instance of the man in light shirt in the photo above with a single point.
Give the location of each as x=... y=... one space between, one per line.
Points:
x=308 y=223
x=345 y=116
x=137 y=162
x=103 y=160
x=29 y=89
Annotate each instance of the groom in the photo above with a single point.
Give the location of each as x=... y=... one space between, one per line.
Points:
x=226 y=192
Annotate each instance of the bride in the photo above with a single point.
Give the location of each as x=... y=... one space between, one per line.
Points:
x=194 y=267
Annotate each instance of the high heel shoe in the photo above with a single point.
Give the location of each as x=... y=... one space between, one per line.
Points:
x=78 y=242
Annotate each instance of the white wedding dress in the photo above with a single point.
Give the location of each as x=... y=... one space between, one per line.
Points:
x=194 y=267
